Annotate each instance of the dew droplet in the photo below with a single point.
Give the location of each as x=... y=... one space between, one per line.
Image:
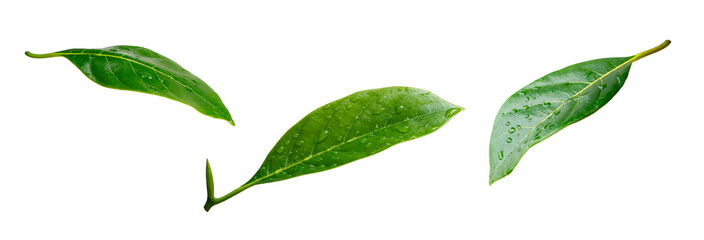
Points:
x=323 y=135
x=509 y=140
x=378 y=111
x=299 y=143
x=403 y=129
x=501 y=155
x=339 y=139
x=287 y=142
x=295 y=135
x=363 y=140
x=354 y=99
x=519 y=127
x=399 y=109
x=452 y=112
x=326 y=107
x=511 y=130
x=546 y=103
x=379 y=101
x=536 y=137
x=348 y=106
x=280 y=149
x=508 y=123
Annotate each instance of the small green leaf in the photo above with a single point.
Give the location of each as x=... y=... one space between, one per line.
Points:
x=552 y=103
x=142 y=70
x=351 y=128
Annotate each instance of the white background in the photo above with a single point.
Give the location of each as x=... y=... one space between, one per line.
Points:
x=79 y=161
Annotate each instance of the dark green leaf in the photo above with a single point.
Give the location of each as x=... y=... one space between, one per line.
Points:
x=143 y=70
x=552 y=103
x=351 y=128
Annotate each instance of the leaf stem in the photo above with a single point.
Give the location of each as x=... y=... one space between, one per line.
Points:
x=46 y=55
x=652 y=50
x=212 y=200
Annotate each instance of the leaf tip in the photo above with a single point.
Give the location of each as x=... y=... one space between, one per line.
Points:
x=492 y=180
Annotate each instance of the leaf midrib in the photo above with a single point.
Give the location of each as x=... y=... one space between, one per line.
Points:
x=334 y=147
x=562 y=104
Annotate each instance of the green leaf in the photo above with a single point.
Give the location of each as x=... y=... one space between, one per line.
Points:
x=351 y=128
x=142 y=70
x=552 y=103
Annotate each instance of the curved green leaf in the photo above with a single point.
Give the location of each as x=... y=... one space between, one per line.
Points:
x=142 y=70
x=552 y=103
x=351 y=128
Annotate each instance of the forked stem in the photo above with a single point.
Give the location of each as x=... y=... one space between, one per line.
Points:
x=652 y=50
x=210 y=185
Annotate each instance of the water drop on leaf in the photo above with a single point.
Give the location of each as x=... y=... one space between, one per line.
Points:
x=452 y=112
x=378 y=111
x=403 y=129
x=399 y=109
x=323 y=135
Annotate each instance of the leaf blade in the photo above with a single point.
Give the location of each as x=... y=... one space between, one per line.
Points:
x=322 y=140
x=354 y=127
x=139 y=69
x=552 y=103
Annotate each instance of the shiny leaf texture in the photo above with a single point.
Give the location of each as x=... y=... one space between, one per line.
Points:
x=351 y=128
x=552 y=103
x=142 y=70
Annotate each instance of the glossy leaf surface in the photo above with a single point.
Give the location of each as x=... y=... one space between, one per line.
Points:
x=351 y=128
x=552 y=103
x=142 y=70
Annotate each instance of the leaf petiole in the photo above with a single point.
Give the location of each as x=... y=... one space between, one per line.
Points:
x=46 y=55
x=651 y=51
